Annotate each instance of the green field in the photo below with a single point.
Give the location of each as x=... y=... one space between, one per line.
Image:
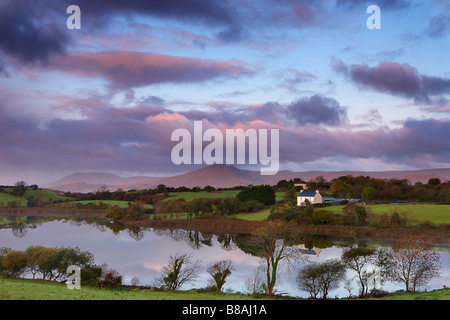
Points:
x=416 y=213
x=188 y=196
x=5 y=198
x=44 y=195
x=22 y=289
x=253 y=216
x=112 y=203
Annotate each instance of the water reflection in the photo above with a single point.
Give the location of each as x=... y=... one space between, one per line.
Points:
x=142 y=252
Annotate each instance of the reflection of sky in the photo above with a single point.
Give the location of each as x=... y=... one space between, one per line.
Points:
x=144 y=258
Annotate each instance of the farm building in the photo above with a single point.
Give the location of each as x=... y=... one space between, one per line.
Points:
x=310 y=196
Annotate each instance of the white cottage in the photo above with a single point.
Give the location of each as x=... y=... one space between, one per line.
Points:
x=311 y=196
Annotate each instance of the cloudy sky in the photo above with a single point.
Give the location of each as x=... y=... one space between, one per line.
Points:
x=106 y=98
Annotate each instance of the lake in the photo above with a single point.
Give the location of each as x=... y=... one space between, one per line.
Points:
x=142 y=253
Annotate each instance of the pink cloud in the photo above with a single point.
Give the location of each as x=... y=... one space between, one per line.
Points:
x=125 y=70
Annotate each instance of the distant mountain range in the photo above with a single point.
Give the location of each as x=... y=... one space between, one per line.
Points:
x=224 y=176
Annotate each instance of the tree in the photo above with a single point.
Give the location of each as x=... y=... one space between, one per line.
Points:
x=290 y=196
x=14 y=263
x=52 y=263
x=434 y=181
x=19 y=189
x=414 y=264
x=367 y=193
x=321 y=277
x=360 y=260
x=273 y=244
x=46 y=261
x=33 y=253
x=178 y=272
x=110 y=278
x=71 y=256
x=341 y=188
x=264 y=194
x=219 y=272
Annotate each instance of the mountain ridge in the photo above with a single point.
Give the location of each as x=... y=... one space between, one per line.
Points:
x=225 y=176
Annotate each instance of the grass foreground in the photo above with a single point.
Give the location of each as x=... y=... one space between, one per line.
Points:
x=26 y=289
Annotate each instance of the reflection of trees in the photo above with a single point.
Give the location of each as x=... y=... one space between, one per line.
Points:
x=116 y=227
x=226 y=241
x=19 y=230
x=20 y=224
x=136 y=233
x=195 y=239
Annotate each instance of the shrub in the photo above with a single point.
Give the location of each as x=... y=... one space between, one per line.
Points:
x=264 y=194
x=251 y=205
x=110 y=278
x=91 y=275
x=322 y=216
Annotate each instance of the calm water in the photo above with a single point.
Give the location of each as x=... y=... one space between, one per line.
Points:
x=144 y=252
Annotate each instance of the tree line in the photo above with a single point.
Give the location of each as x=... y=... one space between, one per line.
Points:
x=360 y=187
x=367 y=188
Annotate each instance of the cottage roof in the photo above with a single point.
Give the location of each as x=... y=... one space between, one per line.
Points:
x=307 y=194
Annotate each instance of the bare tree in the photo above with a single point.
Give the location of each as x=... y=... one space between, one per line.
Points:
x=179 y=271
x=255 y=284
x=414 y=263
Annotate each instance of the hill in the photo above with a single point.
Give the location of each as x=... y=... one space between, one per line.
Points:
x=225 y=176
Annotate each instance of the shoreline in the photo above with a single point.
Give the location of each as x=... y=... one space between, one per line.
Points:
x=434 y=235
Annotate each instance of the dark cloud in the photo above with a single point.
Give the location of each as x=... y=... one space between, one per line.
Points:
x=316 y=110
x=383 y=4
x=417 y=143
x=26 y=35
x=218 y=14
x=439 y=25
x=310 y=111
x=396 y=79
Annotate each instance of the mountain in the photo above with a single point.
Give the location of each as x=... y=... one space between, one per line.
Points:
x=225 y=176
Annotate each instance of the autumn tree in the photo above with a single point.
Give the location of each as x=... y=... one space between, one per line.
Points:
x=14 y=263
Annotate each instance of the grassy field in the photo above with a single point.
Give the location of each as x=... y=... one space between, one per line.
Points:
x=443 y=294
x=5 y=198
x=38 y=194
x=22 y=289
x=112 y=203
x=253 y=216
x=188 y=196
x=417 y=213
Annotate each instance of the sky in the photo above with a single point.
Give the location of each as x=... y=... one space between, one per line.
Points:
x=107 y=97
